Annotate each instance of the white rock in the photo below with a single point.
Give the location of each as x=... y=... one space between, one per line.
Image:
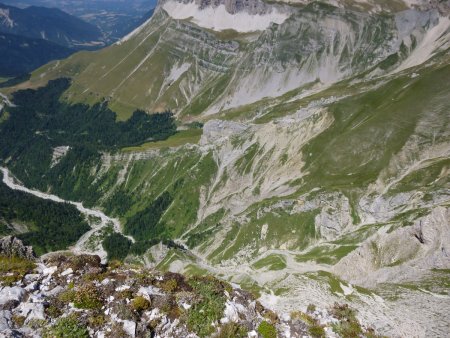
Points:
x=53 y=292
x=148 y=291
x=49 y=271
x=31 y=277
x=129 y=327
x=67 y=272
x=285 y=317
x=122 y=288
x=32 y=286
x=11 y=294
x=31 y=311
x=5 y=319
x=36 y=298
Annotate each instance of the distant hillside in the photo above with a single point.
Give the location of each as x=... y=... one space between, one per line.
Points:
x=50 y=24
x=114 y=18
x=21 y=54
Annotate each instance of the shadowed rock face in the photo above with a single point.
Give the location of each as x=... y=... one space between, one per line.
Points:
x=12 y=246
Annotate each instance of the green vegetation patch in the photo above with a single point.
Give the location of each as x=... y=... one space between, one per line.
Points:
x=145 y=224
x=267 y=330
x=271 y=262
x=117 y=246
x=67 y=327
x=12 y=269
x=191 y=136
x=326 y=254
x=211 y=306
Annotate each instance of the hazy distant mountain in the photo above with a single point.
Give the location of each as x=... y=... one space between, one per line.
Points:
x=114 y=18
x=21 y=54
x=49 y=24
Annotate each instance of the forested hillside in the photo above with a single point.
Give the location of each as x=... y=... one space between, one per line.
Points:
x=20 y=55
x=45 y=225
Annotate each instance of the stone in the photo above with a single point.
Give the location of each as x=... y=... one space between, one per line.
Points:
x=129 y=327
x=5 y=320
x=31 y=311
x=67 y=272
x=55 y=291
x=11 y=294
x=31 y=278
x=33 y=286
x=49 y=271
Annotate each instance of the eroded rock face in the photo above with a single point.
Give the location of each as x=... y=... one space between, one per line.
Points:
x=401 y=255
x=12 y=246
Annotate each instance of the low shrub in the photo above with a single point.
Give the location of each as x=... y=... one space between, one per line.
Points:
x=316 y=331
x=53 y=311
x=232 y=330
x=267 y=330
x=169 y=286
x=140 y=304
x=349 y=326
x=67 y=327
x=311 y=308
x=304 y=317
x=210 y=307
x=12 y=269
x=88 y=297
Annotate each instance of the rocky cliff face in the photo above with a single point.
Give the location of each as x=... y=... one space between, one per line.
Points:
x=12 y=246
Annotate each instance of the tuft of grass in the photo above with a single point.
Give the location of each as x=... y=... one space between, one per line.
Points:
x=210 y=309
x=316 y=331
x=12 y=269
x=349 y=325
x=267 y=330
x=140 y=304
x=67 y=327
x=311 y=308
x=303 y=317
x=232 y=330
x=88 y=297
